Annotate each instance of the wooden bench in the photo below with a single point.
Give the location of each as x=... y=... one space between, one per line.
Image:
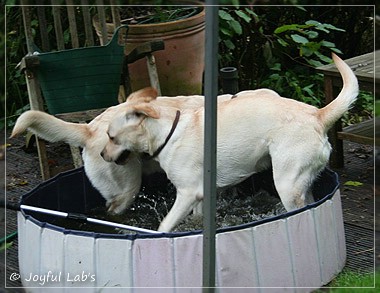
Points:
x=367 y=70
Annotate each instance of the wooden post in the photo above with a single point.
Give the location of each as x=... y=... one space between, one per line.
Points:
x=35 y=98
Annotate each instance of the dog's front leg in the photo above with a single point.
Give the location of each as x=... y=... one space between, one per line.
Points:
x=184 y=203
x=198 y=209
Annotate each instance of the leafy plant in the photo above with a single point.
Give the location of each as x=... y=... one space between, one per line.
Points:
x=305 y=38
x=306 y=45
x=363 y=109
x=297 y=84
x=230 y=27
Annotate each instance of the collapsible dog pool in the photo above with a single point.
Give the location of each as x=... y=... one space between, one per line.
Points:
x=303 y=249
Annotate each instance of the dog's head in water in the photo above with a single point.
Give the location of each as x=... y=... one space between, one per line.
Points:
x=126 y=131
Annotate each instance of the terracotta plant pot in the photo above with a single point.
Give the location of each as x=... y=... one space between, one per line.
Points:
x=180 y=65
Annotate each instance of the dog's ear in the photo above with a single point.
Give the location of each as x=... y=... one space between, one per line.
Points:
x=144 y=95
x=147 y=110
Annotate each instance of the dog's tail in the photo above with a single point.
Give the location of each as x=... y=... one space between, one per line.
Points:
x=347 y=96
x=51 y=128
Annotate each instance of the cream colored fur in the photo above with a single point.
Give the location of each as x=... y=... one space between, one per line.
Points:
x=256 y=130
x=118 y=184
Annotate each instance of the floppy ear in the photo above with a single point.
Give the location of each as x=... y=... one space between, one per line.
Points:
x=147 y=110
x=144 y=95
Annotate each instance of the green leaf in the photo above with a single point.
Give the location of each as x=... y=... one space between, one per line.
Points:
x=275 y=76
x=313 y=23
x=226 y=31
x=330 y=26
x=225 y=15
x=323 y=57
x=229 y=44
x=255 y=16
x=353 y=183
x=308 y=90
x=286 y=27
x=321 y=28
x=327 y=44
x=306 y=51
x=314 y=63
x=250 y=11
x=236 y=27
x=282 y=42
x=312 y=34
x=299 y=39
x=276 y=67
x=336 y=50
x=300 y=8
x=244 y=16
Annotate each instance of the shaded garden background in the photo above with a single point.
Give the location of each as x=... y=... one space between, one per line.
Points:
x=283 y=61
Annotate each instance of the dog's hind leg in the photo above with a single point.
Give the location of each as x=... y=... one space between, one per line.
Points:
x=186 y=200
x=293 y=184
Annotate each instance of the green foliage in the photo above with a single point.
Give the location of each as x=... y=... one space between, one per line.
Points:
x=271 y=46
x=16 y=86
x=280 y=47
x=363 y=109
x=230 y=27
x=308 y=41
x=297 y=84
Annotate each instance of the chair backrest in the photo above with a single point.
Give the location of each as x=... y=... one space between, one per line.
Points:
x=81 y=79
x=74 y=74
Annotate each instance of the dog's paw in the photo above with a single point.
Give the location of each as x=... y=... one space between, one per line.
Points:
x=118 y=204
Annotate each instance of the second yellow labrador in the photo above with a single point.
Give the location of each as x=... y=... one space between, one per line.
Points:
x=256 y=130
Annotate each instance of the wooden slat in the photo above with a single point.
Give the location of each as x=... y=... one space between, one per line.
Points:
x=58 y=25
x=363 y=66
x=43 y=27
x=360 y=133
x=102 y=20
x=27 y=25
x=116 y=17
x=87 y=23
x=72 y=24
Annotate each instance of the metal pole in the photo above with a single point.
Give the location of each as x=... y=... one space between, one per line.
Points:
x=209 y=177
x=81 y=217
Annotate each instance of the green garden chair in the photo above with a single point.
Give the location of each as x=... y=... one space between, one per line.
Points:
x=75 y=84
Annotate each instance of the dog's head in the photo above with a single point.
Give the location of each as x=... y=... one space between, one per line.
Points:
x=126 y=131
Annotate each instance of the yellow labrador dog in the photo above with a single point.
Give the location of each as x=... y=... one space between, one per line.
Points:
x=256 y=130
x=118 y=184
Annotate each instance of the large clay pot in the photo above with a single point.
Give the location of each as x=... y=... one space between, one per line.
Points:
x=180 y=66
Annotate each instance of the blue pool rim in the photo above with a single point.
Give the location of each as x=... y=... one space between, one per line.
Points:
x=331 y=186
